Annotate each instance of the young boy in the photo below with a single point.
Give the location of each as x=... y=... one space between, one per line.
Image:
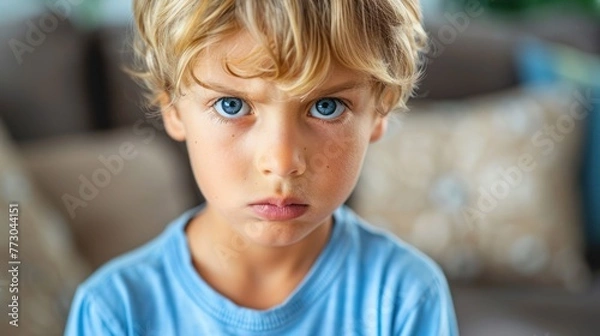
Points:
x=277 y=101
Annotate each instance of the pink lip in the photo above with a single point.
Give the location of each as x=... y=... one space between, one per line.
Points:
x=280 y=201
x=279 y=209
x=276 y=213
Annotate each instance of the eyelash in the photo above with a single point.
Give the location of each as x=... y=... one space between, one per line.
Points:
x=214 y=116
x=221 y=120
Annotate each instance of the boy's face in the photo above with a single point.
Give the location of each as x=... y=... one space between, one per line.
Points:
x=254 y=150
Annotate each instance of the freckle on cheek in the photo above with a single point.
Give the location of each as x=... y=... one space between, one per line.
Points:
x=233 y=135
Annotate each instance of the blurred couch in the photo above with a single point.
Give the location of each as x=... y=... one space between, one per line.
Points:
x=115 y=179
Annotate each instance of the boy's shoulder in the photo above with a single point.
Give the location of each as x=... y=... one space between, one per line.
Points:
x=386 y=256
x=148 y=262
x=124 y=287
x=374 y=241
x=405 y=281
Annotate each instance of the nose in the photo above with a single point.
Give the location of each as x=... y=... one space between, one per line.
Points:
x=280 y=151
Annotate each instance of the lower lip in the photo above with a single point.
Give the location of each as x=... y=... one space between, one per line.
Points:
x=274 y=213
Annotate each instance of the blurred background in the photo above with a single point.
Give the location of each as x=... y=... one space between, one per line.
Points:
x=494 y=171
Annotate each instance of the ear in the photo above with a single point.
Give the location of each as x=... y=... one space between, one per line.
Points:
x=171 y=118
x=382 y=112
x=379 y=128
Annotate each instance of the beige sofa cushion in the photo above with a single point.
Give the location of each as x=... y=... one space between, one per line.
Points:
x=118 y=189
x=483 y=186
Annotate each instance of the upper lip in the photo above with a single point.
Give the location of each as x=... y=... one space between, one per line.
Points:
x=280 y=201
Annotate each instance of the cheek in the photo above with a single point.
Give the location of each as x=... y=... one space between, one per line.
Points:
x=208 y=142
x=337 y=161
x=215 y=159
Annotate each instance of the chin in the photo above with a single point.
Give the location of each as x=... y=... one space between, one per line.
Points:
x=276 y=234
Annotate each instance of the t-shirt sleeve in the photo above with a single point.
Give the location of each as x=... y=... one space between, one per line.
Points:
x=431 y=315
x=89 y=316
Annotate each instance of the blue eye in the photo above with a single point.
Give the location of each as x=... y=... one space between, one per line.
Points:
x=327 y=108
x=231 y=107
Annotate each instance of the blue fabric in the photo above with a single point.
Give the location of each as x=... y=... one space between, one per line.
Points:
x=542 y=63
x=364 y=282
x=592 y=170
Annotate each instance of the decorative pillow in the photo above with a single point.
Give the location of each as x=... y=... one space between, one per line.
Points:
x=487 y=186
x=49 y=268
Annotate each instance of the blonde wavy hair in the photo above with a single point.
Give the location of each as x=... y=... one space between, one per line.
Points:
x=297 y=42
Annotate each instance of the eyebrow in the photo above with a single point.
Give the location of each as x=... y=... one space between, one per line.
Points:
x=327 y=91
x=350 y=85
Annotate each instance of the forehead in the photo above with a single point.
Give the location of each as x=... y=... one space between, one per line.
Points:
x=210 y=66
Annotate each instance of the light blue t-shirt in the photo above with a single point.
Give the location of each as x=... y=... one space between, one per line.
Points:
x=364 y=282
